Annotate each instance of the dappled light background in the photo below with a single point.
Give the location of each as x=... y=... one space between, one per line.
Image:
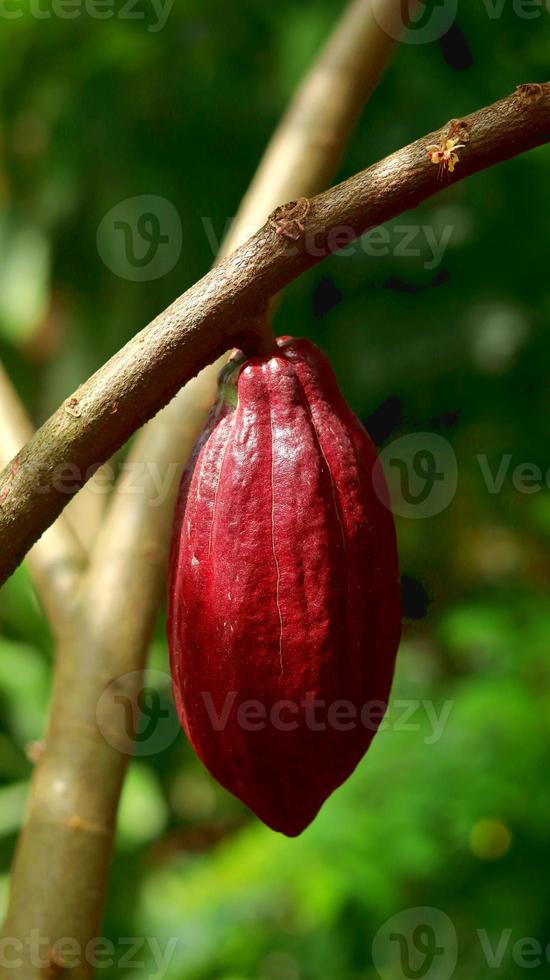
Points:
x=437 y=330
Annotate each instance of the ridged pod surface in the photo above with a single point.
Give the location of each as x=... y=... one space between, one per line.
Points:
x=284 y=603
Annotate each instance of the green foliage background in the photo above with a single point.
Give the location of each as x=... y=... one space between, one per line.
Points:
x=97 y=111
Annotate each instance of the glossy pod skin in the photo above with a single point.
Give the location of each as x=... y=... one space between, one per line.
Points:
x=284 y=603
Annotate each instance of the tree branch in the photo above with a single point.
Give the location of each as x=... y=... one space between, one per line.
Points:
x=219 y=311
x=56 y=560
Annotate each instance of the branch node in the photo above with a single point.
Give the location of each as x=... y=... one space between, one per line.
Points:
x=459 y=128
x=72 y=407
x=289 y=219
x=530 y=91
x=77 y=823
x=35 y=750
x=55 y=966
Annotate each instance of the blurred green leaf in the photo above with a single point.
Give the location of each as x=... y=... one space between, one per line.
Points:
x=12 y=808
x=142 y=813
x=24 y=279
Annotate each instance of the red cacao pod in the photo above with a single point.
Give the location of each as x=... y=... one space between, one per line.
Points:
x=284 y=601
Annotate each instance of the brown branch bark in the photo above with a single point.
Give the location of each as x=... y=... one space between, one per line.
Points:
x=220 y=311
